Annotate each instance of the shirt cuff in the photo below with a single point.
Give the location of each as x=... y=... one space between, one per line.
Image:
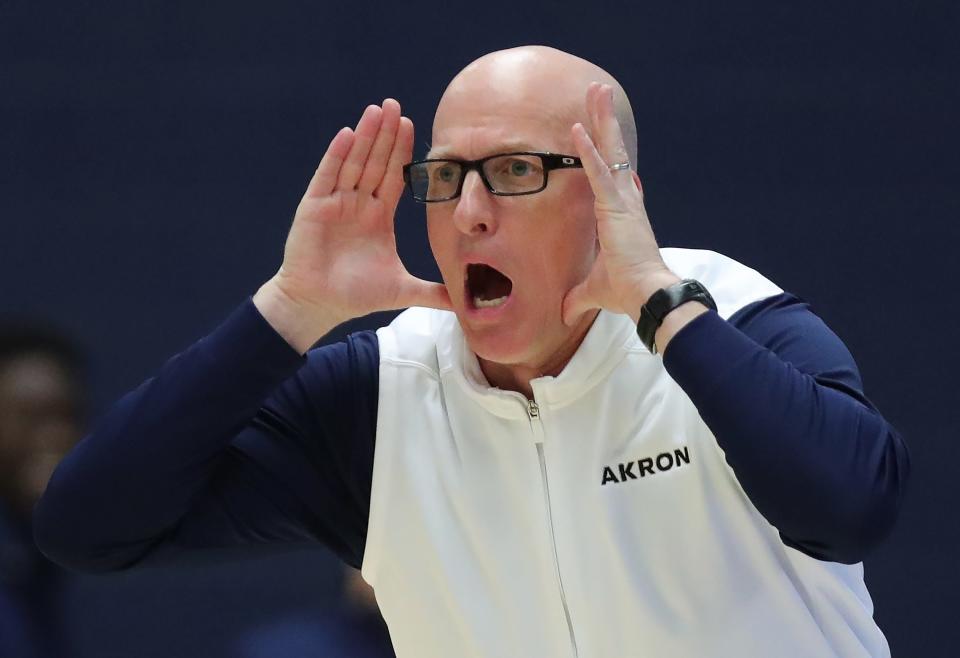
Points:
x=247 y=343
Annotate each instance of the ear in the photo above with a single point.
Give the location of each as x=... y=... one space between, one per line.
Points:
x=636 y=180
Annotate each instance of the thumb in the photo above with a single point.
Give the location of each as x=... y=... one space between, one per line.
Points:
x=417 y=292
x=578 y=301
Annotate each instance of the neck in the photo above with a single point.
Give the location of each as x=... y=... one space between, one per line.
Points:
x=517 y=376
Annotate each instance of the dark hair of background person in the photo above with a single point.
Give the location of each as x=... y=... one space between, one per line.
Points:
x=20 y=337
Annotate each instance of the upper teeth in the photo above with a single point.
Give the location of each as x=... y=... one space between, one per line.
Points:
x=485 y=303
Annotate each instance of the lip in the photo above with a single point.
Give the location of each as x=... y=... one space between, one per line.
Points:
x=489 y=314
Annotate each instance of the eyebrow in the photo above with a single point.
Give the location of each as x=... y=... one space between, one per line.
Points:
x=503 y=147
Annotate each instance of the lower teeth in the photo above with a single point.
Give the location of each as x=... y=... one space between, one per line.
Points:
x=486 y=303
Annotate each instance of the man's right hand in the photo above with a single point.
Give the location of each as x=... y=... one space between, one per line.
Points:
x=340 y=260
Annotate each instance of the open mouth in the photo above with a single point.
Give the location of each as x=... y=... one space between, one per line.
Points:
x=486 y=286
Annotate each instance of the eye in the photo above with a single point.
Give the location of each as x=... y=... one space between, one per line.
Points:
x=445 y=173
x=519 y=168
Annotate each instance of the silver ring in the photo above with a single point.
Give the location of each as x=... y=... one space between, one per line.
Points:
x=620 y=166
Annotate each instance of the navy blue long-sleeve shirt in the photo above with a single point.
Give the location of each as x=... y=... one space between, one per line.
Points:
x=240 y=439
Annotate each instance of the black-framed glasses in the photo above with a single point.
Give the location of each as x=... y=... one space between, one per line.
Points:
x=504 y=174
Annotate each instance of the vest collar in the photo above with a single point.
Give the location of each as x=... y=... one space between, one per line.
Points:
x=609 y=339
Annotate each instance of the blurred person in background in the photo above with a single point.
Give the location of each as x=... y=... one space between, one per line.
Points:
x=41 y=417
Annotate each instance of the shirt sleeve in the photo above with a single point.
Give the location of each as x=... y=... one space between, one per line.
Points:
x=237 y=440
x=784 y=399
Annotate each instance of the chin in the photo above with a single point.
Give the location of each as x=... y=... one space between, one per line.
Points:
x=502 y=345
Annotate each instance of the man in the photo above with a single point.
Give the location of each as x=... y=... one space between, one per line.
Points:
x=524 y=476
x=41 y=416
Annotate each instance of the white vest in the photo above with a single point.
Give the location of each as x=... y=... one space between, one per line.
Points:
x=492 y=533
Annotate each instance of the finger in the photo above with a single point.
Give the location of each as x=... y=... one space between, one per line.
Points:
x=391 y=187
x=608 y=132
x=592 y=90
x=364 y=135
x=417 y=292
x=380 y=152
x=325 y=177
x=576 y=302
x=598 y=173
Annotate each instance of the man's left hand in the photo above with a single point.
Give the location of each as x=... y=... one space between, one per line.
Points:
x=628 y=268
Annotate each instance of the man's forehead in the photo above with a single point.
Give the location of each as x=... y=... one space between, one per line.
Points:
x=467 y=144
x=498 y=123
x=497 y=146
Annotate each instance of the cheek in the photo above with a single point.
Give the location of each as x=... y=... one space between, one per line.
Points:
x=440 y=238
x=574 y=247
x=562 y=257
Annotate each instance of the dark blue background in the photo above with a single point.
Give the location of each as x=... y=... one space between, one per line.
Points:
x=152 y=155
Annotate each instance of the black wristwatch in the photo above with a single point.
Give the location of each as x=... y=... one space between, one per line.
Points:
x=665 y=300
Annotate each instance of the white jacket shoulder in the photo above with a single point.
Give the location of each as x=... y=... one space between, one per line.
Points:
x=732 y=284
x=411 y=338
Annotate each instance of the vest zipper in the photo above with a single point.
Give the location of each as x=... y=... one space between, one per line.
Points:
x=537 y=425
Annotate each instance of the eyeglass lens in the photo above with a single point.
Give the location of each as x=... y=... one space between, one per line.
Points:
x=506 y=174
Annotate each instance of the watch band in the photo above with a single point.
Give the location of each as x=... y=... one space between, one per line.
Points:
x=665 y=300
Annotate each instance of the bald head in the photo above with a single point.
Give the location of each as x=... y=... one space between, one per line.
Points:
x=537 y=80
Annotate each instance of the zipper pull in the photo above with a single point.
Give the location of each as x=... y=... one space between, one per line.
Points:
x=533 y=409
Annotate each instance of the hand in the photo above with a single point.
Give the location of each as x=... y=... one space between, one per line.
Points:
x=628 y=268
x=340 y=259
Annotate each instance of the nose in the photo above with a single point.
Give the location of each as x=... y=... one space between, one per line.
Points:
x=474 y=213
